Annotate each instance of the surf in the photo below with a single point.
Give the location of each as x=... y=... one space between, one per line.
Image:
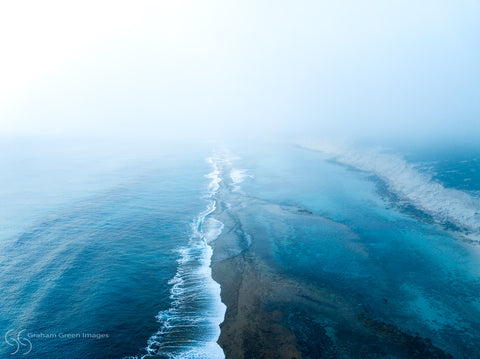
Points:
x=190 y=328
x=447 y=206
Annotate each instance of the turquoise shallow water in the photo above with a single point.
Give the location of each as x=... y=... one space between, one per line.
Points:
x=91 y=238
x=391 y=257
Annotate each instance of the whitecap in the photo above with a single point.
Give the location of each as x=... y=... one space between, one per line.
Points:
x=195 y=297
x=445 y=205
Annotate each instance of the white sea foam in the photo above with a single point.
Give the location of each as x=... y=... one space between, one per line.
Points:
x=445 y=205
x=238 y=176
x=196 y=305
x=214 y=185
x=212 y=228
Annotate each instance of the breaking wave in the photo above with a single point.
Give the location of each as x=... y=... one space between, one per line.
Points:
x=445 y=205
x=190 y=328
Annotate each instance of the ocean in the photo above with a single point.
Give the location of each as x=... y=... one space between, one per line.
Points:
x=395 y=232
x=105 y=250
x=94 y=245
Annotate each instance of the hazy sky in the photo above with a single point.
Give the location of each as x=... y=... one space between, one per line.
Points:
x=312 y=68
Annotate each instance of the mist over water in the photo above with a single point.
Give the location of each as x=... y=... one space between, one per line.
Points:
x=210 y=70
x=343 y=136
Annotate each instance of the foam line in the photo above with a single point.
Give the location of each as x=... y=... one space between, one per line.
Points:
x=445 y=205
x=190 y=328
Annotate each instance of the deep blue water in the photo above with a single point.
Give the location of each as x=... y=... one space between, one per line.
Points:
x=99 y=241
x=89 y=241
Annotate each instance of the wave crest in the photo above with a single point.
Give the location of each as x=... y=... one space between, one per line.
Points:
x=445 y=205
x=190 y=328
